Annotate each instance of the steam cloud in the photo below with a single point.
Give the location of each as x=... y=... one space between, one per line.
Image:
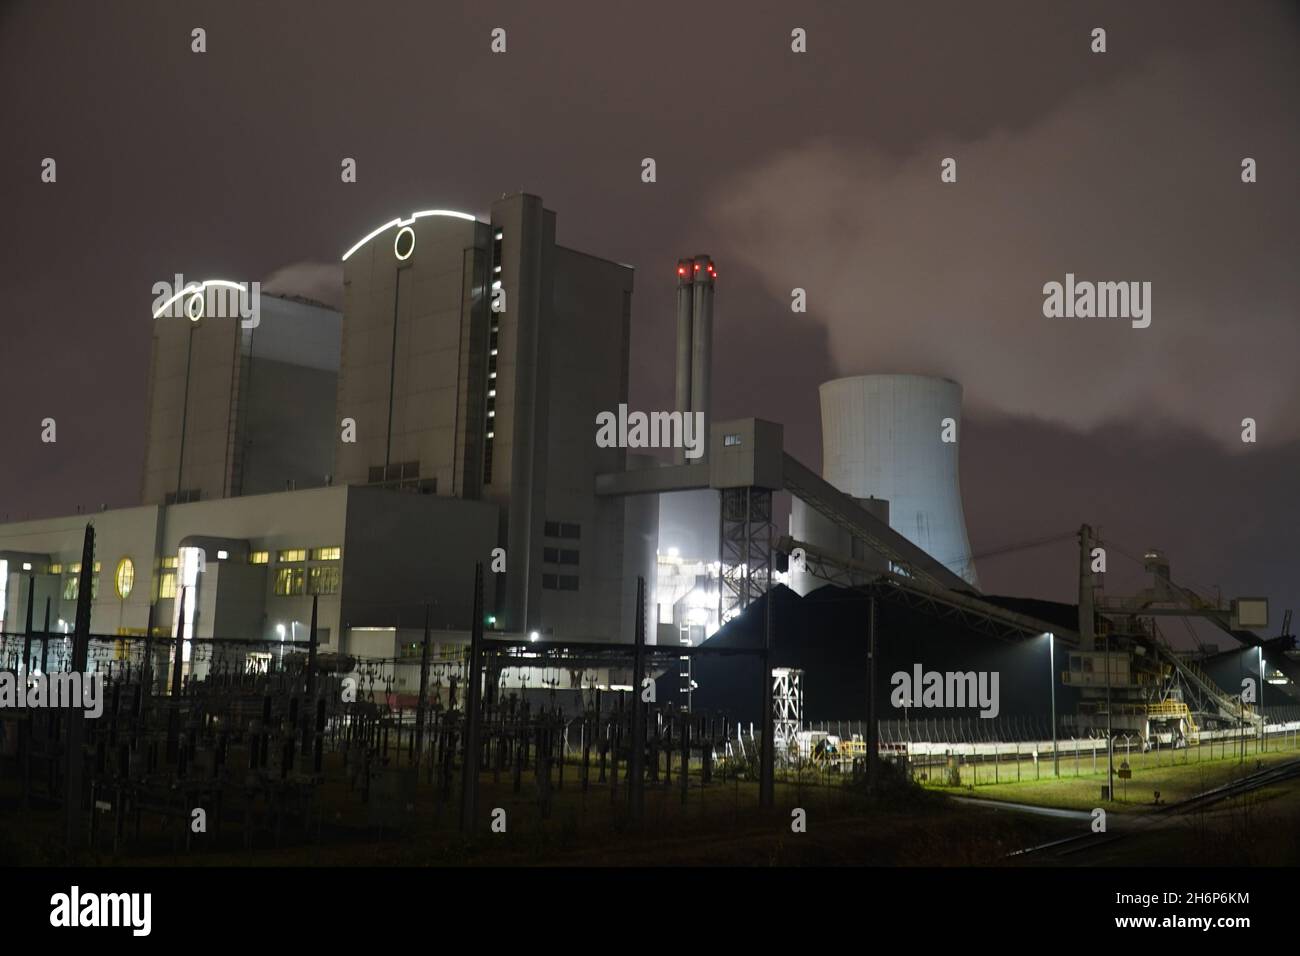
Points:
x=321 y=281
x=1140 y=180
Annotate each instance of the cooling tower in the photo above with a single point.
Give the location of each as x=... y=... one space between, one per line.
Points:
x=882 y=437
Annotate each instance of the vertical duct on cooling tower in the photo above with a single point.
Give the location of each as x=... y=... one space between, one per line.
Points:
x=882 y=437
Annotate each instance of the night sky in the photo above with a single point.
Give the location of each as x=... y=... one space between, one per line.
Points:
x=818 y=170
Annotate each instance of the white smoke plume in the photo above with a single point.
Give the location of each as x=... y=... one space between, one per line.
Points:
x=320 y=281
x=1138 y=181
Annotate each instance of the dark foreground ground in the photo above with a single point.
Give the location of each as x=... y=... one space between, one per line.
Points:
x=716 y=825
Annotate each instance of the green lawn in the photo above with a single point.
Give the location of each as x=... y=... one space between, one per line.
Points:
x=1188 y=773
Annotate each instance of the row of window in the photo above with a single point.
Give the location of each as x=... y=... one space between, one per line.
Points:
x=72 y=581
x=560 y=582
x=494 y=339
x=291 y=582
x=296 y=555
x=437 y=652
x=403 y=471
x=404 y=476
x=552 y=554
x=321 y=580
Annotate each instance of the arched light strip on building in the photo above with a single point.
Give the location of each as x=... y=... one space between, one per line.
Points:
x=406 y=222
x=196 y=287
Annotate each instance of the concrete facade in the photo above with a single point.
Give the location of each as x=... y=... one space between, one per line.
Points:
x=397 y=552
x=476 y=356
x=449 y=412
x=235 y=410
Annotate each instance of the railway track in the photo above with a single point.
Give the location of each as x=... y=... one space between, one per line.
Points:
x=1089 y=841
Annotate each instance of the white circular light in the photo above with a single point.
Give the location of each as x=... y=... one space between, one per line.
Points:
x=397 y=243
x=189 y=306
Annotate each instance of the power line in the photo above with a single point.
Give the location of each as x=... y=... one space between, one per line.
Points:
x=1019 y=546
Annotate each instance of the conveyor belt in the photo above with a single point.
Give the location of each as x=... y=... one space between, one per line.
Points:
x=817 y=493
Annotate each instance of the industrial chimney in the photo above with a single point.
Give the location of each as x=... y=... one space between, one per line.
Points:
x=695 y=277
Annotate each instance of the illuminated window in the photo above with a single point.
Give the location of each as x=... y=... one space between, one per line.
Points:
x=56 y=569
x=167 y=585
x=324 y=580
x=289 y=581
x=124 y=578
x=291 y=555
x=172 y=563
x=326 y=554
x=730 y=440
x=259 y=557
x=72 y=583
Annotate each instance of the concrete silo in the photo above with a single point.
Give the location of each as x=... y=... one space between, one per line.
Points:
x=882 y=437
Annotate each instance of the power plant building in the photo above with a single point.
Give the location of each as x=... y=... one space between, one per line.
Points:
x=476 y=357
x=370 y=460
x=240 y=407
